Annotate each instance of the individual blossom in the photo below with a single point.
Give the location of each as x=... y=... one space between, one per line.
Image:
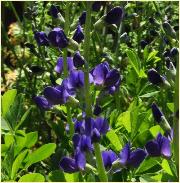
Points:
x=114 y=16
x=54 y=11
x=56 y=95
x=42 y=103
x=97 y=110
x=41 y=38
x=82 y=18
x=59 y=65
x=159 y=146
x=58 y=38
x=96 y=6
x=78 y=60
x=143 y=43
x=71 y=165
x=78 y=35
x=131 y=158
x=108 y=158
x=174 y=51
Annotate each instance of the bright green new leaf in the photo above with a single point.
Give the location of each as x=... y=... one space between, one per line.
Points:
x=7 y=100
x=166 y=167
x=31 y=139
x=40 y=154
x=56 y=176
x=170 y=106
x=71 y=177
x=148 y=95
x=32 y=177
x=155 y=130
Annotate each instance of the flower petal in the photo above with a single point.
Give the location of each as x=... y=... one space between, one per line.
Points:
x=124 y=154
x=153 y=148
x=68 y=165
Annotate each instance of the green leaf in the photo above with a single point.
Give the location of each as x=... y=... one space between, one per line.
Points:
x=32 y=177
x=124 y=119
x=40 y=154
x=155 y=130
x=170 y=106
x=147 y=95
x=56 y=176
x=166 y=167
x=114 y=139
x=7 y=100
x=148 y=163
x=17 y=163
x=134 y=60
x=8 y=139
x=71 y=177
x=151 y=55
x=31 y=139
x=146 y=178
x=23 y=118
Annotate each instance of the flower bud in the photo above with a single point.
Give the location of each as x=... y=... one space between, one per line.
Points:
x=95 y=137
x=41 y=38
x=169 y=30
x=96 y=6
x=143 y=44
x=78 y=60
x=53 y=11
x=174 y=51
x=157 y=113
x=78 y=35
x=82 y=18
x=42 y=103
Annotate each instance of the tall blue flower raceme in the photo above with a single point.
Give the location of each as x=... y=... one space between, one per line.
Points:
x=87 y=132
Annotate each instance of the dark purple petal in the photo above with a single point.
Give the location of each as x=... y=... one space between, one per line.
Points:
x=58 y=38
x=78 y=35
x=54 y=11
x=153 y=148
x=85 y=143
x=79 y=127
x=102 y=125
x=108 y=158
x=76 y=140
x=154 y=77
x=82 y=18
x=136 y=157
x=42 y=102
x=59 y=65
x=170 y=134
x=112 y=78
x=99 y=73
x=96 y=6
x=78 y=60
x=165 y=147
x=96 y=136
x=41 y=38
x=157 y=114
x=89 y=125
x=80 y=159
x=68 y=165
x=97 y=110
x=114 y=16
x=124 y=154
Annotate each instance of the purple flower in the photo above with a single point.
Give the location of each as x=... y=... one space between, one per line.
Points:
x=101 y=124
x=97 y=110
x=56 y=95
x=131 y=158
x=95 y=135
x=143 y=43
x=42 y=102
x=159 y=146
x=54 y=11
x=154 y=77
x=108 y=158
x=112 y=78
x=82 y=18
x=157 y=113
x=59 y=65
x=114 y=16
x=41 y=38
x=78 y=60
x=71 y=165
x=174 y=52
x=78 y=35
x=58 y=38
x=79 y=127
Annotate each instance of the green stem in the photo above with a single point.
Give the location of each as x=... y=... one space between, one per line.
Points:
x=100 y=166
x=86 y=56
x=65 y=68
x=101 y=169
x=176 y=120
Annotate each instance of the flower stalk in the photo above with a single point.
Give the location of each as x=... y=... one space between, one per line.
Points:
x=101 y=170
x=66 y=27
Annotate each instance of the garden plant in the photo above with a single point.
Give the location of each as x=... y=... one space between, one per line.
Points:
x=90 y=91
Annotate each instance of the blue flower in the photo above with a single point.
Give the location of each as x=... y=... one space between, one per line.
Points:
x=42 y=102
x=97 y=110
x=114 y=16
x=41 y=38
x=58 y=38
x=54 y=11
x=96 y=6
x=131 y=158
x=154 y=77
x=78 y=60
x=108 y=158
x=159 y=146
x=143 y=43
x=157 y=113
x=56 y=95
x=59 y=65
x=82 y=18
x=78 y=35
